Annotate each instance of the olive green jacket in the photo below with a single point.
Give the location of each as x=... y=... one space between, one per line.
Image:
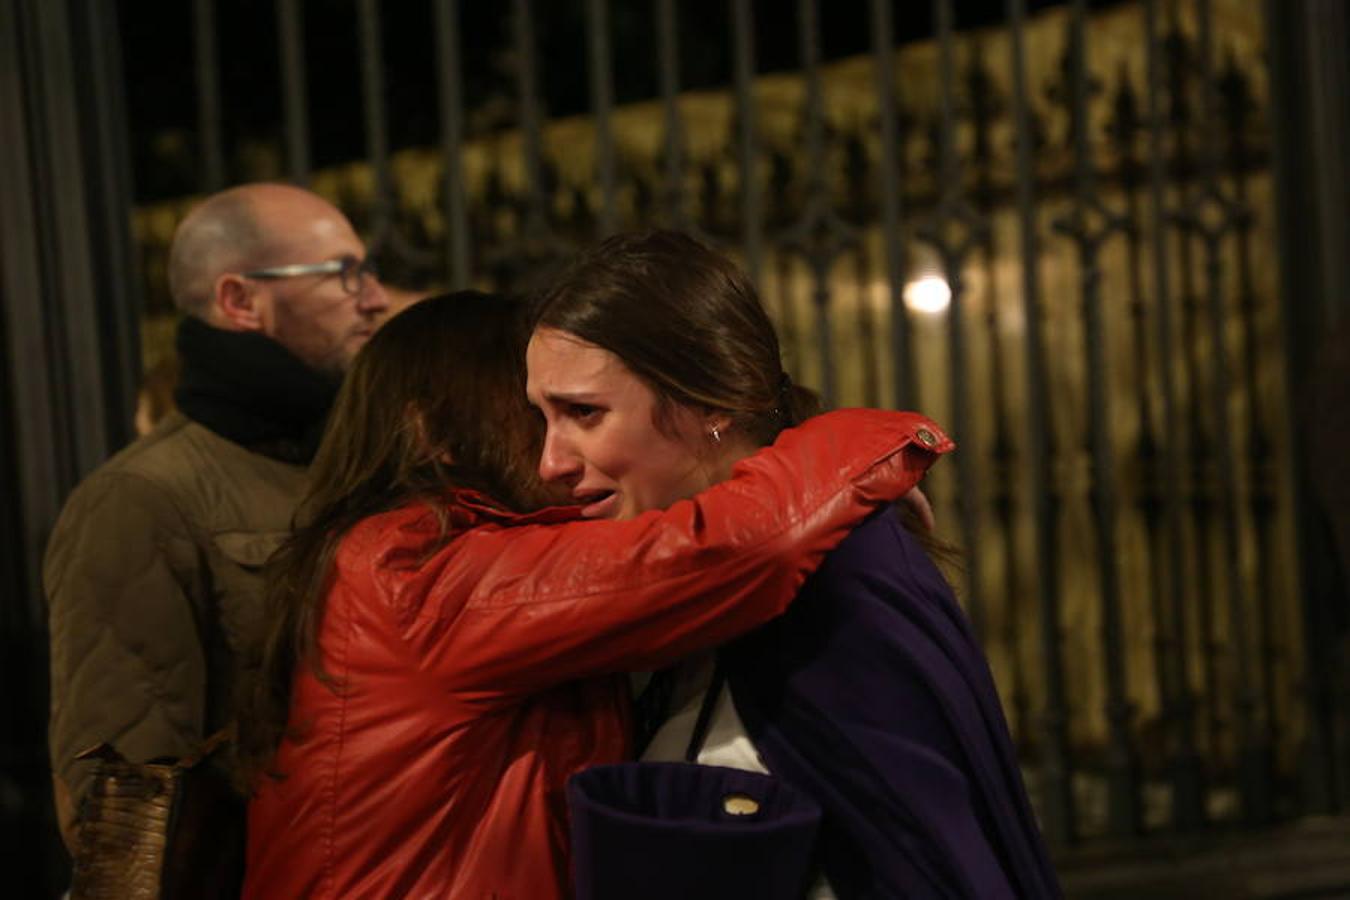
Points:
x=153 y=579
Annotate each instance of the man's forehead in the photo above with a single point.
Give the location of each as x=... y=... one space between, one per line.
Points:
x=320 y=231
x=313 y=215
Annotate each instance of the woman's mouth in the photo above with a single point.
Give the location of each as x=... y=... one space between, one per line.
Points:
x=597 y=504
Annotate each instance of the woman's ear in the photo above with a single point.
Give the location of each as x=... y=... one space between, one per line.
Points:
x=717 y=426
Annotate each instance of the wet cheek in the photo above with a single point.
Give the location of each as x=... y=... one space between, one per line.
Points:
x=601 y=463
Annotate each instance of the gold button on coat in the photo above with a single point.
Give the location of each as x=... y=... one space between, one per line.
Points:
x=740 y=805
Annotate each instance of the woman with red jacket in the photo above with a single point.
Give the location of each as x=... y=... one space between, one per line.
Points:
x=440 y=658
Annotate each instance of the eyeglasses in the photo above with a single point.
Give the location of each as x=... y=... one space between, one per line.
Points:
x=351 y=271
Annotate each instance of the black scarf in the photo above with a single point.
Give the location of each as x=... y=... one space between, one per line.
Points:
x=249 y=389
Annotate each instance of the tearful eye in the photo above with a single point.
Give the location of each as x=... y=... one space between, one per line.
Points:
x=582 y=410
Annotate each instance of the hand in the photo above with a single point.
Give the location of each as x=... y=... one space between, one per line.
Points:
x=917 y=502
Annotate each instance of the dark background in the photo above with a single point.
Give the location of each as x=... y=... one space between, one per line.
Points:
x=157 y=42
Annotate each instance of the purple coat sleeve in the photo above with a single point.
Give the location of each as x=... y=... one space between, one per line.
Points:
x=872 y=696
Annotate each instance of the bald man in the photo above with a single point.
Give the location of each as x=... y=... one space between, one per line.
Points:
x=153 y=572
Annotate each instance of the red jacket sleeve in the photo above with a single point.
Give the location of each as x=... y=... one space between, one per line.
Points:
x=504 y=610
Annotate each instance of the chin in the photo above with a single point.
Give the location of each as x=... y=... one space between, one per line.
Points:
x=632 y=512
x=333 y=368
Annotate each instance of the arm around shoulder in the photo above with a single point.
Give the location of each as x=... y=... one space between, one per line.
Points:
x=553 y=602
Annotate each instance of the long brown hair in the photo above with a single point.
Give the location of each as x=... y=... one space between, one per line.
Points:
x=435 y=400
x=688 y=321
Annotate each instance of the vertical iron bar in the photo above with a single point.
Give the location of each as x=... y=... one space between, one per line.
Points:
x=818 y=193
x=1327 y=24
x=294 y=104
x=72 y=349
x=1187 y=788
x=951 y=207
x=1307 y=91
x=74 y=335
x=1122 y=774
x=1201 y=493
x=668 y=61
x=1200 y=448
x=602 y=107
x=1057 y=812
x=1148 y=502
x=1003 y=468
x=209 y=127
x=752 y=209
x=536 y=209
x=1203 y=501
x=377 y=140
x=1261 y=478
x=1254 y=754
x=1002 y=455
x=45 y=472
x=450 y=78
x=883 y=37
x=110 y=201
x=868 y=362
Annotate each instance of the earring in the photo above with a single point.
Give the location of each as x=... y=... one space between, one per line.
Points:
x=717 y=436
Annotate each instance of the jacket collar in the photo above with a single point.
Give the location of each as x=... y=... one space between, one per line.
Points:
x=485 y=508
x=250 y=390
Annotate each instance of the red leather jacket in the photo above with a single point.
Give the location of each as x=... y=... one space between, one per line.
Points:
x=471 y=684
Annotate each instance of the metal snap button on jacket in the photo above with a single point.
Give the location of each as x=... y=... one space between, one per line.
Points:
x=740 y=805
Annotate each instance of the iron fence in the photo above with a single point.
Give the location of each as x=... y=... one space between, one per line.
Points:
x=1052 y=231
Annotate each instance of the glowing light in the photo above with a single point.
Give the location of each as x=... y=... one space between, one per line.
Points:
x=929 y=294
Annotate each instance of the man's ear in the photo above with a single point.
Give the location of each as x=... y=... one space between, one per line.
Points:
x=236 y=303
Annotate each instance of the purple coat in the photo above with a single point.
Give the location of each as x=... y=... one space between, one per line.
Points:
x=872 y=696
x=870 y=700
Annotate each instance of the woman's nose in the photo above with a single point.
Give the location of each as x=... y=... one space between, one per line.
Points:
x=557 y=462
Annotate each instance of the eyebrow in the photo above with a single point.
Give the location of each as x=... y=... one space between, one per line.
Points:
x=571 y=396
